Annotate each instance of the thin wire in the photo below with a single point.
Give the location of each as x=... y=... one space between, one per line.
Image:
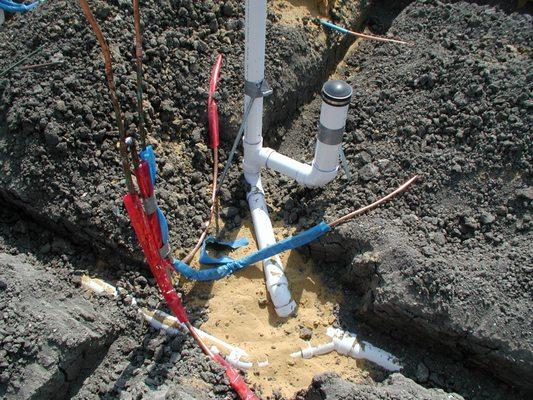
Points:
x=212 y=210
x=21 y=61
x=234 y=147
x=138 y=59
x=361 y=35
x=378 y=38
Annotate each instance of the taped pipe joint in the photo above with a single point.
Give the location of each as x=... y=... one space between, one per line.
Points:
x=275 y=279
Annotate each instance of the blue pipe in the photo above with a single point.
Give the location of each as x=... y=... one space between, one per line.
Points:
x=333 y=26
x=12 y=7
x=232 y=266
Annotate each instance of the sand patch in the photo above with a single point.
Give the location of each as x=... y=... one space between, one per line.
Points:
x=239 y=312
x=293 y=11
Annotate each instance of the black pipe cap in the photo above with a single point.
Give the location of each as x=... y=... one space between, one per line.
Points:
x=337 y=93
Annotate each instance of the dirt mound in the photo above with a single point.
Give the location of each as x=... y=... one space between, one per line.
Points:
x=331 y=387
x=451 y=259
x=57 y=136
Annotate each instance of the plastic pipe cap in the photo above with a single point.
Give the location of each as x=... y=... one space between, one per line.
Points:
x=337 y=93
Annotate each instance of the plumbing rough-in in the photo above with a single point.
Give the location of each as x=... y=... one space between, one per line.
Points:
x=336 y=97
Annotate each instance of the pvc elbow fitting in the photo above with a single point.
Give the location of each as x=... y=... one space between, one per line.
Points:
x=336 y=96
x=304 y=174
x=346 y=343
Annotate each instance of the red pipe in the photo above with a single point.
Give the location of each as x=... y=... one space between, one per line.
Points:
x=149 y=236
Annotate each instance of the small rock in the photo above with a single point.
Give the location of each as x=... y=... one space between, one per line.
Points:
x=262 y=301
x=487 y=218
x=368 y=172
x=227 y=10
x=470 y=222
x=141 y=281
x=306 y=333
x=526 y=193
x=230 y=212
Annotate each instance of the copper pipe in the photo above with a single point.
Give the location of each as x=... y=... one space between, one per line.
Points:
x=369 y=207
x=213 y=210
x=112 y=92
x=199 y=340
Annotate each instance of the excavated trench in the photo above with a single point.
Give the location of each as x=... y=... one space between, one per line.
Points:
x=58 y=245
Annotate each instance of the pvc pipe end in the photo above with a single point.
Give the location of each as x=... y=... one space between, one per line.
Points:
x=337 y=93
x=286 y=310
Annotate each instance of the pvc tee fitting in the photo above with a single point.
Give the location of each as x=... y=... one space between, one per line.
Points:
x=347 y=344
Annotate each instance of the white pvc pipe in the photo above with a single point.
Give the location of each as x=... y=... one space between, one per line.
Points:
x=325 y=164
x=98 y=286
x=321 y=171
x=160 y=320
x=156 y=318
x=254 y=71
x=275 y=279
x=305 y=174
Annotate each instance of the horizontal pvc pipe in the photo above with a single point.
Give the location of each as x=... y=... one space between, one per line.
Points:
x=347 y=344
x=98 y=286
x=157 y=320
x=305 y=174
x=160 y=320
x=314 y=351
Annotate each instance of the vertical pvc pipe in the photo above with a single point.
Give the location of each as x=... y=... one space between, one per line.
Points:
x=2 y=17
x=254 y=67
x=336 y=96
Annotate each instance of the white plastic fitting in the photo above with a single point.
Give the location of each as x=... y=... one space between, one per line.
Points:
x=234 y=359
x=160 y=320
x=157 y=320
x=346 y=343
x=336 y=96
x=98 y=286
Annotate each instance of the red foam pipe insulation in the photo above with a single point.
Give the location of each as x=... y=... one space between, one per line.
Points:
x=148 y=234
x=147 y=190
x=236 y=380
x=158 y=266
x=212 y=108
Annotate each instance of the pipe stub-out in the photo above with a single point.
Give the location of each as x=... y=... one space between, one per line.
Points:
x=337 y=93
